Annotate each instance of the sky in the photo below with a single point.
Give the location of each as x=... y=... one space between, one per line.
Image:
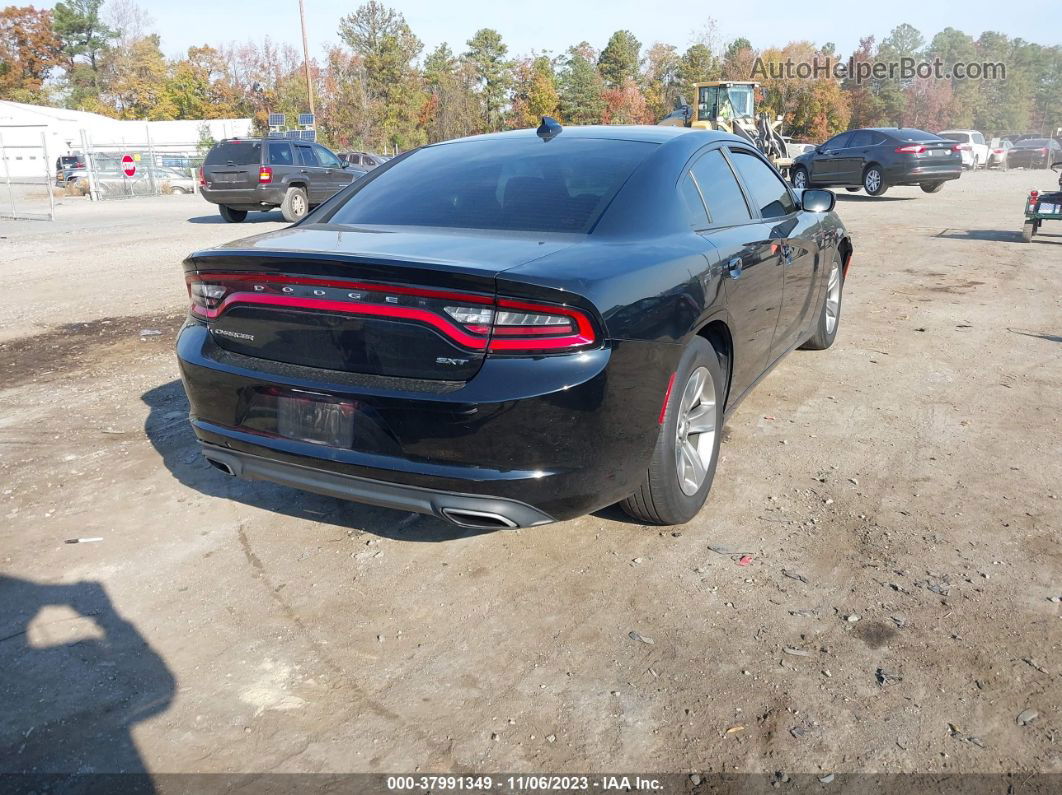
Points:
x=554 y=25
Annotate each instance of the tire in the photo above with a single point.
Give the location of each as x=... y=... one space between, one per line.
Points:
x=800 y=178
x=664 y=498
x=874 y=176
x=830 y=314
x=853 y=190
x=231 y=215
x=931 y=187
x=1028 y=229
x=295 y=205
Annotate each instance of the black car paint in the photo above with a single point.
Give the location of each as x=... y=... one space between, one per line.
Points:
x=1027 y=154
x=838 y=162
x=566 y=433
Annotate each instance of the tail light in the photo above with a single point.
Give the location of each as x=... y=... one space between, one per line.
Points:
x=1043 y=151
x=475 y=322
x=265 y=174
x=202 y=178
x=910 y=149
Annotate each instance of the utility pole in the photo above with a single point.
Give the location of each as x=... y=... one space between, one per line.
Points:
x=306 y=55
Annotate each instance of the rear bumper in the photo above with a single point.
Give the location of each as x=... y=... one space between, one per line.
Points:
x=560 y=435
x=258 y=197
x=467 y=510
x=916 y=175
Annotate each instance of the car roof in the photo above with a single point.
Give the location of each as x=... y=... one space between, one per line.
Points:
x=615 y=132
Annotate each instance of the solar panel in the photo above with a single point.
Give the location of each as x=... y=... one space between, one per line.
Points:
x=276 y=133
x=276 y=119
x=292 y=134
x=305 y=119
x=308 y=135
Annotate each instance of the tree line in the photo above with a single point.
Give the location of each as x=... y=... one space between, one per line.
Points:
x=380 y=89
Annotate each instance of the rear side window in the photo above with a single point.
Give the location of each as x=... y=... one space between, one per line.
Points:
x=726 y=202
x=280 y=154
x=767 y=189
x=526 y=184
x=235 y=153
x=307 y=156
x=691 y=197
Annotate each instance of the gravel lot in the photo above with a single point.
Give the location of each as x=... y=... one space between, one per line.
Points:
x=910 y=478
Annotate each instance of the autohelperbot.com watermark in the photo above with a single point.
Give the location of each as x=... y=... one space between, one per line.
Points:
x=906 y=68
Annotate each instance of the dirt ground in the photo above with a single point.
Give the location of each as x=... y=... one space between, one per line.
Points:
x=900 y=498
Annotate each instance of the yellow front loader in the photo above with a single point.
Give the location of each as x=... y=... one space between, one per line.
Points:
x=730 y=106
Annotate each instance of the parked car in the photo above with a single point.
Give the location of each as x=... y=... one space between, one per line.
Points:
x=512 y=329
x=68 y=169
x=364 y=160
x=241 y=174
x=1034 y=153
x=997 y=153
x=876 y=158
x=176 y=178
x=972 y=146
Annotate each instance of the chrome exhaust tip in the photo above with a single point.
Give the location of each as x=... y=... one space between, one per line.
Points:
x=478 y=520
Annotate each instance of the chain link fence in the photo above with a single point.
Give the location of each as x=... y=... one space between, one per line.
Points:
x=25 y=178
x=130 y=169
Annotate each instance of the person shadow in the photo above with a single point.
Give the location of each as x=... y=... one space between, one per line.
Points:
x=75 y=679
x=170 y=433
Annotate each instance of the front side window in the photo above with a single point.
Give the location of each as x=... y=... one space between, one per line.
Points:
x=721 y=192
x=768 y=191
x=562 y=185
x=328 y=160
x=837 y=142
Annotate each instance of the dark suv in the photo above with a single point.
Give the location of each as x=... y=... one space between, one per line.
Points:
x=875 y=159
x=240 y=175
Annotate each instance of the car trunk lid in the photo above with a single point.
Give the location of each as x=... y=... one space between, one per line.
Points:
x=400 y=303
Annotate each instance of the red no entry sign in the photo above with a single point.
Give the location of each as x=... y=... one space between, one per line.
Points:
x=128 y=166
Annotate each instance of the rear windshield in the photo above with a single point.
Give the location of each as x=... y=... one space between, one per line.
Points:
x=68 y=160
x=1033 y=143
x=962 y=138
x=516 y=184
x=236 y=153
x=911 y=134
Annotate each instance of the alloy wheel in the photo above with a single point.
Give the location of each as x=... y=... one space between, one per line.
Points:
x=695 y=431
x=800 y=180
x=298 y=204
x=872 y=181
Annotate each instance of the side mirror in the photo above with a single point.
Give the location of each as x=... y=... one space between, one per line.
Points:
x=1057 y=165
x=344 y=164
x=817 y=201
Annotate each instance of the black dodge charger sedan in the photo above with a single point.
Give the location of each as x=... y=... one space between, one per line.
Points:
x=876 y=158
x=512 y=329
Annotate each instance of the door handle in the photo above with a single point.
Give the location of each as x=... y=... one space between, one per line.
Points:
x=734 y=266
x=304 y=171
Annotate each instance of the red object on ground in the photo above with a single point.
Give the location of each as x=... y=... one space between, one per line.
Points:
x=745 y=560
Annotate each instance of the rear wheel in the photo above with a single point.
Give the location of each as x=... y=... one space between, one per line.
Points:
x=295 y=205
x=800 y=178
x=830 y=315
x=852 y=190
x=683 y=465
x=231 y=215
x=874 y=181
x=1028 y=229
x=932 y=187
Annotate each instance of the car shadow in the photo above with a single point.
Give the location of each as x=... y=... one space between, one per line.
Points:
x=168 y=430
x=999 y=235
x=862 y=197
x=252 y=218
x=78 y=679
x=1047 y=337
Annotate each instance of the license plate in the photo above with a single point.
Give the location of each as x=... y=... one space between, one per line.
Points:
x=938 y=152
x=225 y=178
x=306 y=419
